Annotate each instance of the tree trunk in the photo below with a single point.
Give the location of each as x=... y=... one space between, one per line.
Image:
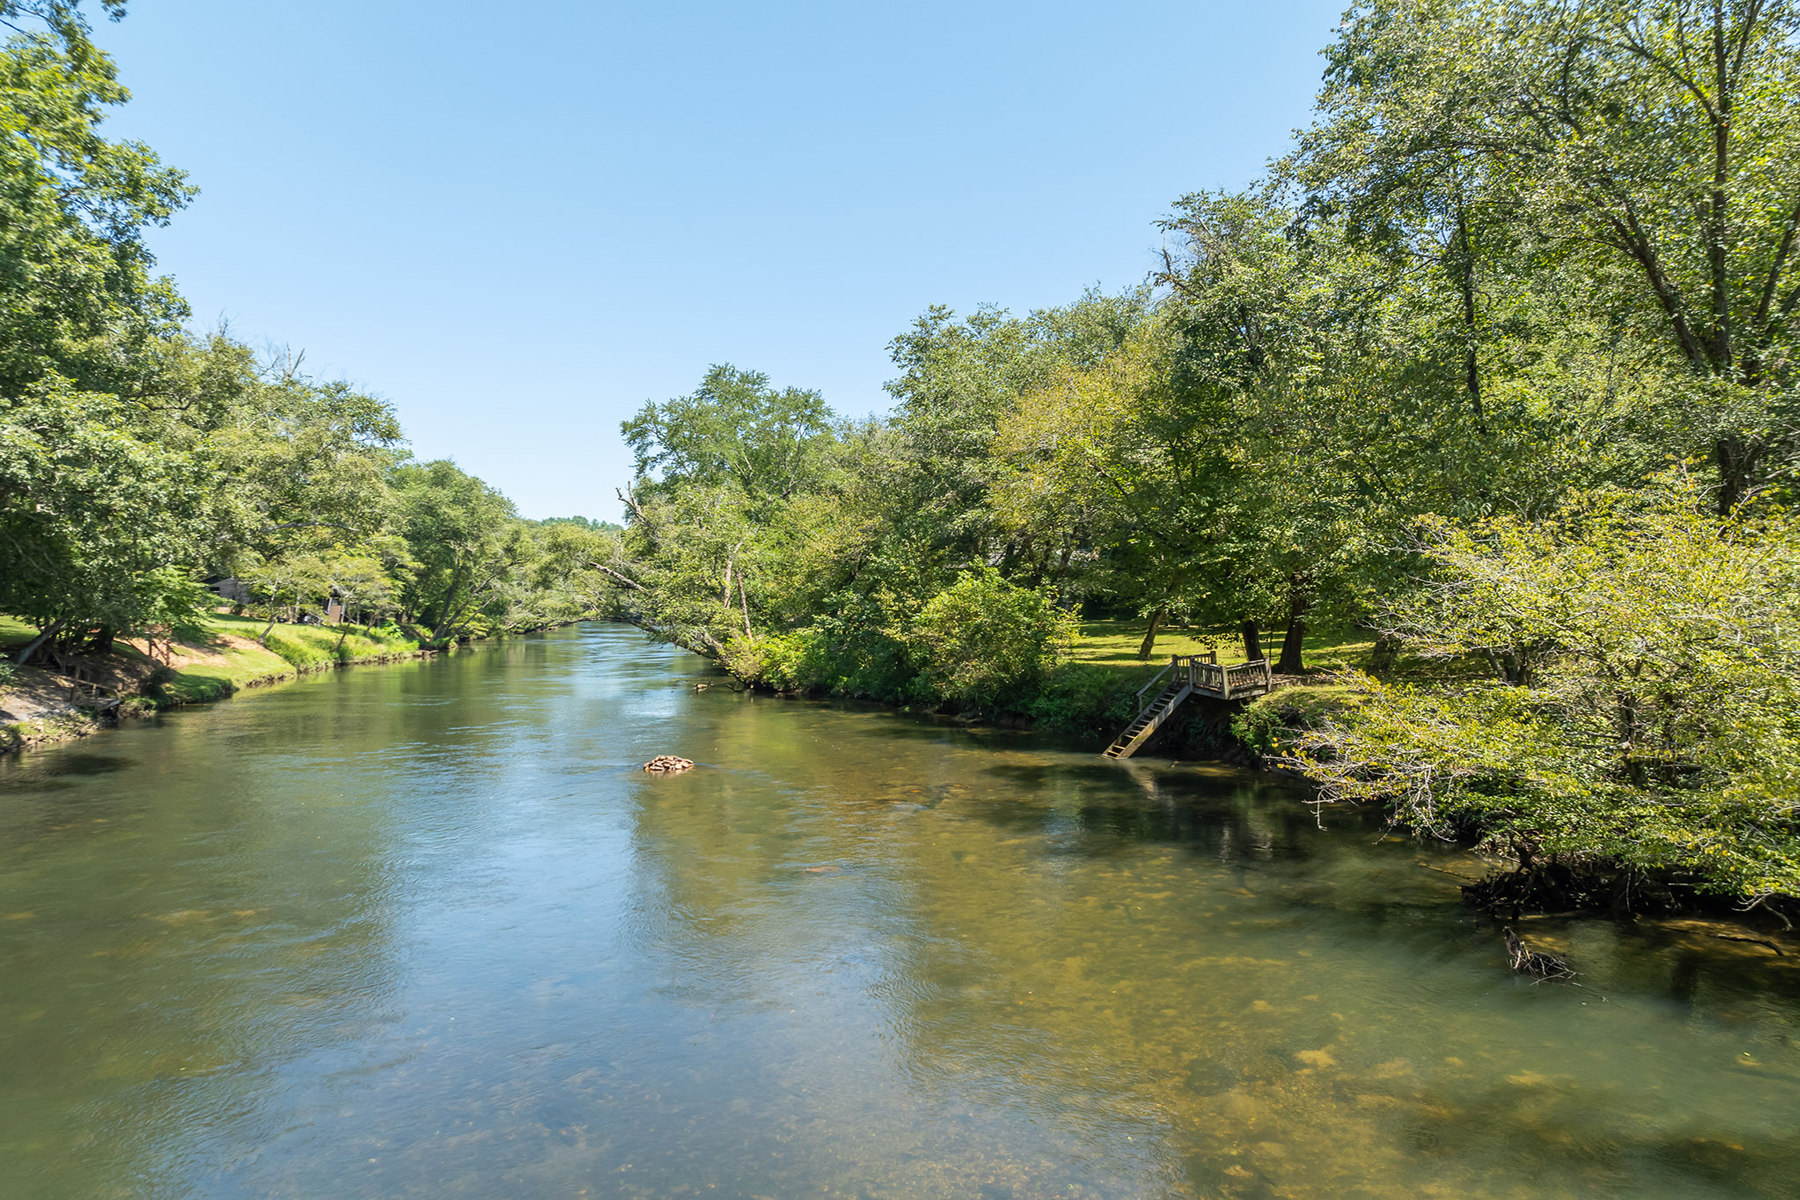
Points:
x=729 y=560
x=1385 y=655
x=1631 y=763
x=1472 y=361
x=1293 y=643
x=1146 y=646
x=1736 y=462
x=31 y=647
x=1252 y=642
x=443 y=621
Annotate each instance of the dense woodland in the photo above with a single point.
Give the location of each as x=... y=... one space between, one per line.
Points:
x=140 y=458
x=1493 y=369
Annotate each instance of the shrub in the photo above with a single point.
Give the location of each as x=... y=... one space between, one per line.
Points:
x=1080 y=699
x=983 y=643
x=1645 y=702
x=831 y=658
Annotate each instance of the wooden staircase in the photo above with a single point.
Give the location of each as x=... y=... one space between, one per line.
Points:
x=1150 y=719
x=1199 y=673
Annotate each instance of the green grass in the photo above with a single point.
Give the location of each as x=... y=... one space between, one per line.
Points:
x=290 y=649
x=1114 y=644
x=314 y=645
x=1091 y=694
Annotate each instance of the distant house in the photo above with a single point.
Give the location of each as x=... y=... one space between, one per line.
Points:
x=230 y=590
x=236 y=591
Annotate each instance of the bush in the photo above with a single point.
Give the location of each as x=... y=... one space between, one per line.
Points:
x=1273 y=725
x=1080 y=699
x=156 y=684
x=827 y=657
x=1259 y=727
x=984 y=644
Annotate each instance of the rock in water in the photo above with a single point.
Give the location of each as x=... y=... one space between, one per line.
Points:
x=664 y=763
x=1545 y=966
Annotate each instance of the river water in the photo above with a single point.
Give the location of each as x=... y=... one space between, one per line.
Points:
x=428 y=930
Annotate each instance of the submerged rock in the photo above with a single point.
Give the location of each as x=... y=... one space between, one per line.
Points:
x=664 y=763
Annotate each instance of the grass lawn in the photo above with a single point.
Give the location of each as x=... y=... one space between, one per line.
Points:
x=313 y=645
x=229 y=659
x=1114 y=644
x=234 y=661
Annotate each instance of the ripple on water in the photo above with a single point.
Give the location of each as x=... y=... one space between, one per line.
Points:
x=428 y=929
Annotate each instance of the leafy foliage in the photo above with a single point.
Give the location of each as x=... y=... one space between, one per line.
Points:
x=1645 y=698
x=983 y=641
x=1495 y=367
x=1498 y=364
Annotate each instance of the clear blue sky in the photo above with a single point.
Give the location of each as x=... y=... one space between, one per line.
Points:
x=518 y=223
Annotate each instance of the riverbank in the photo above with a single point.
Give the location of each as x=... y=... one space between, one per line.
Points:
x=1090 y=696
x=40 y=707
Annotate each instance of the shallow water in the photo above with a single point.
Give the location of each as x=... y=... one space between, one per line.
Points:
x=426 y=929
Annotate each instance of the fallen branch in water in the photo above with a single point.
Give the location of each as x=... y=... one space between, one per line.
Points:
x=1545 y=966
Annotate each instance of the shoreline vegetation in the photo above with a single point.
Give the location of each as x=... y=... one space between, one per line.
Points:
x=41 y=706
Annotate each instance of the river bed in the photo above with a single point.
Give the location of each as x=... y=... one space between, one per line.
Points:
x=427 y=929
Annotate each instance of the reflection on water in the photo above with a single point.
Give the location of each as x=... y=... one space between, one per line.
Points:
x=427 y=930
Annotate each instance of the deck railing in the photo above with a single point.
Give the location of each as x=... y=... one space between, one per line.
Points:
x=1200 y=673
x=1256 y=674
x=1177 y=663
x=1204 y=673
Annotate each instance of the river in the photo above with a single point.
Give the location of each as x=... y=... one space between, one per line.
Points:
x=428 y=930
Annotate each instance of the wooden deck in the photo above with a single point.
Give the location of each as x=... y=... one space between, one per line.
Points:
x=1199 y=674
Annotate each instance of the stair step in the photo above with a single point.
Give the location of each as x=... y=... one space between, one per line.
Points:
x=1148 y=721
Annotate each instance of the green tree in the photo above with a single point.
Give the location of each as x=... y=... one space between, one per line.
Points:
x=1644 y=703
x=304 y=466
x=1136 y=485
x=94 y=496
x=1653 y=146
x=958 y=381
x=88 y=511
x=1285 y=356
x=735 y=428
x=458 y=531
